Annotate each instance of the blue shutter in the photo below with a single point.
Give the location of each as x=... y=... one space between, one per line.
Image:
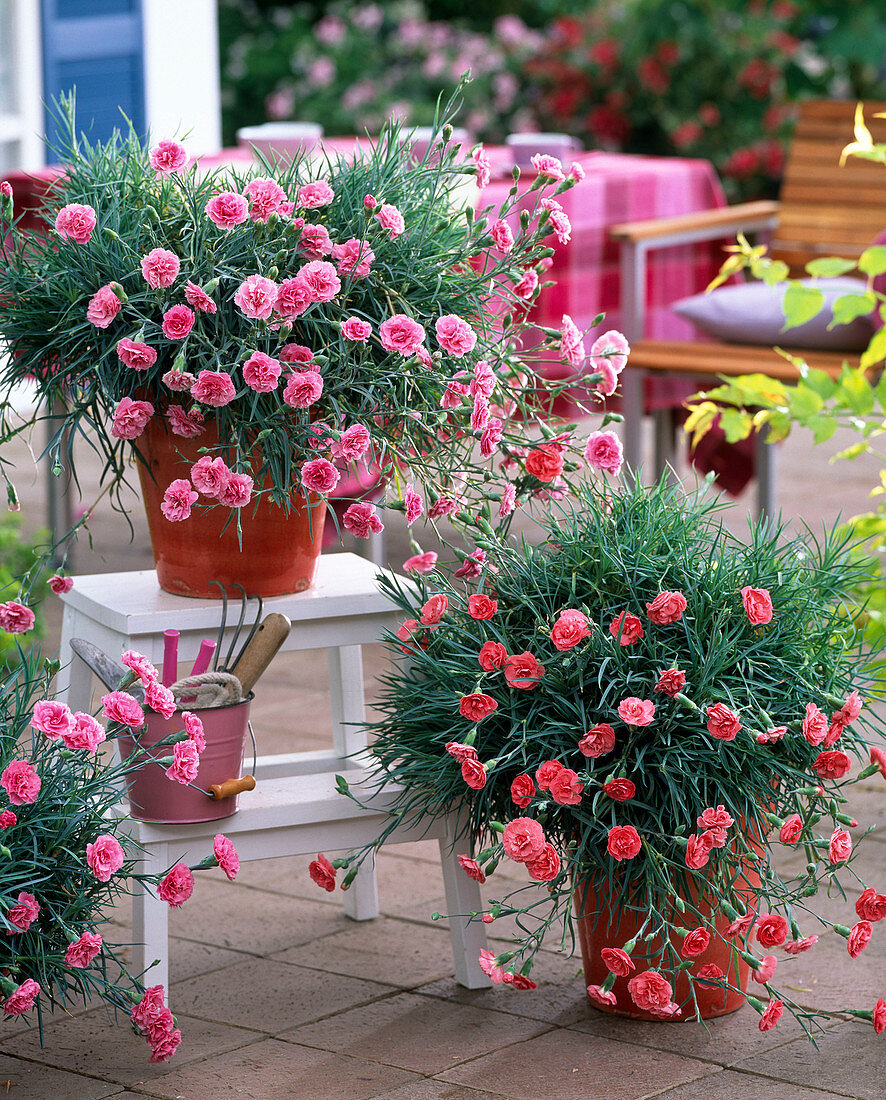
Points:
x=96 y=47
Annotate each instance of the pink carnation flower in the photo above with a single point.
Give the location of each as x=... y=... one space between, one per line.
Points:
x=237 y=491
x=421 y=563
x=187 y=424
x=160 y=267
x=135 y=355
x=194 y=729
x=159 y=698
x=636 y=712
x=261 y=373
x=610 y=350
x=168 y=156
x=104 y=857
x=59 y=584
x=75 y=222
x=15 y=618
x=557 y=219
x=120 y=706
x=356 y=329
x=295 y=353
x=354 y=258
x=400 y=333
x=179 y=381
x=177 y=322
x=455 y=335
x=315 y=241
x=352 y=444
x=23 y=915
x=319 y=476
x=226 y=854
x=314 y=195
x=546 y=165
x=603 y=451
x=87 y=733
x=22 y=999
x=502 y=236
x=130 y=418
x=293 y=297
x=52 y=718
x=390 y=218
x=227 y=209
x=321 y=279
x=140 y=665
x=214 y=387
x=210 y=475
x=103 y=307
x=482 y=164
x=198 y=298
x=176 y=886
x=266 y=196
x=303 y=389
x=81 y=952
x=572 y=348
x=185 y=762
x=362 y=520
x=21 y=782
x=256 y=297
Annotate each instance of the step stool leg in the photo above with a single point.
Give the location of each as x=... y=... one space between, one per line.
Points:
x=462 y=897
x=361 y=898
x=150 y=921
x=348 y=737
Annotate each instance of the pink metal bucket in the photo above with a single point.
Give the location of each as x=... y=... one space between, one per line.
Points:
x=153 y=797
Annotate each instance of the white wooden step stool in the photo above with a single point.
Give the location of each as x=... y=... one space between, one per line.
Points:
x=295 y=808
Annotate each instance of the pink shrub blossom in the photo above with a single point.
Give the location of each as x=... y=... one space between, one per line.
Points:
x=455 y=335
x=400 y=333
x=548 y=166
x=22 y=999
x=572 y=348
x=198 y=298
x=355 y=258
x=421 y=563
x=168 y=156
x=303 y=389
x=52 y=718
x=295 y=353
x=177 y=322
x=103 y=306
x=610 y=351
x=120 y=706
x=390 y=218
x=135 y=355
x=185 y=762
x=261 y=372
x=21 y=782
x=315 y=241
x=140 y=665
x=81 y=952
x=75 y=222
x=59 y=585
x=319 y=476
x=210 y=475
x=226 y=854
x=227 y=209
x=321 y=279
x=130 y=418
x=158 y=697
x=352 y=444
x=311 y=196
x=176 y=886
x=194 y=729
x=87 y=733
x=256 y=297
x=179 y=381
x=15 y=618
x=482 y=164
x=265 y=197
x=24 y=913
x=104 y=857
x=558 y=220
x=623 y=842
x=603 y=451
x=237 y=491
x=160 y=268
x=362 y=520
x=214 y=387
x=636 y=712
x=502 y=236
x=186 y=423
x=356 y=329
x=293 y=297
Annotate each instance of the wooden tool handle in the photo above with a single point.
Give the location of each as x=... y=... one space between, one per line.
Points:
x=231 y=787
x=272 y=633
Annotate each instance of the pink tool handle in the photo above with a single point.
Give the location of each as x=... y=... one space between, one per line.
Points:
x=207 y=648
x=170 y=657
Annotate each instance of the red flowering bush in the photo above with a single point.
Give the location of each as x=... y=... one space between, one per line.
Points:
x=678 y=766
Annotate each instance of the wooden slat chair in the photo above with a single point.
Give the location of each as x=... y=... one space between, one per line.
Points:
x=824 y=210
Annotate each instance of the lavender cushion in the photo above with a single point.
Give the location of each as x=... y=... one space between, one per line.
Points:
x=752 y=314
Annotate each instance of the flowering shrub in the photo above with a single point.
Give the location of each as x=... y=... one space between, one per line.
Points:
x=63 y=855
x=648 y=706
x=304 y=318
x=362 y=64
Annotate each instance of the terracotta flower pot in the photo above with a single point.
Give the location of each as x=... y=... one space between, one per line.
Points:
x=277 y=553
x=600 y=924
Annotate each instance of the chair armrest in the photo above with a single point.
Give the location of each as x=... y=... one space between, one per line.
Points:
x=705 y=225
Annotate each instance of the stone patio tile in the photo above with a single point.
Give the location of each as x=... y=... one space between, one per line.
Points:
x=850 y=1061
x=98 y=1046
x=729 y=1085
x=827 y=978
x=30 y=1081
x=564 y=1065
x=254 y=921
x=724 y=1041
x=559 y=999
x=416 y=1033
x=271 y=995
x=187 y=958
x=437 y=1090
x=271 y=1070
x=383 y=950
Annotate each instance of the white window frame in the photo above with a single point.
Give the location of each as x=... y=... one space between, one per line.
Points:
x=22 y=127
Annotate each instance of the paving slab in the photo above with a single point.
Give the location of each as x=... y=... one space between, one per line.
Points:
x=98 y=1047
x=565 y=1065
x=271 y=1070
x=438 y=1090
x=416 y=1033
x=272 y=996
x=729 y=1085
x=32 y=1081
x=851 y=1060
x=383 y=950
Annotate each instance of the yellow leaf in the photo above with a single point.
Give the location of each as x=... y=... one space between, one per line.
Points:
x=864 y=141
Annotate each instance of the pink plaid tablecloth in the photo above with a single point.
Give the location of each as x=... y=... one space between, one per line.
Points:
x=620 y=188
